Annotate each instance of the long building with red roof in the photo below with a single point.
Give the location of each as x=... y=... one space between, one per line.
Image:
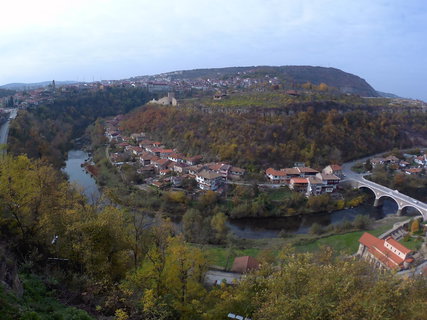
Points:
x=384 y=253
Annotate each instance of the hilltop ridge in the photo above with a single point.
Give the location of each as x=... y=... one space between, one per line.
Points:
x=345 y=82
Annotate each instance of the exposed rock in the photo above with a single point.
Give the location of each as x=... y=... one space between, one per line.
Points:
x=9 y=277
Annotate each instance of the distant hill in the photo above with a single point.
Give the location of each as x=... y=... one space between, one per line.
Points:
x=388 y=95
x=36 y=85
x=5 y=93
x=345 y=82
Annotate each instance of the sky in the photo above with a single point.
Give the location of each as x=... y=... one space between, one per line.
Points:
x=383 y=42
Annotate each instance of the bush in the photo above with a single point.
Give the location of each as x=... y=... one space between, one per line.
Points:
x=343 y=226
x=316 y=229
x=362 y=222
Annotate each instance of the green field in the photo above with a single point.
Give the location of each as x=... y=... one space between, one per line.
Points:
x=412 y=243
x=342 y=243
x=346 y=243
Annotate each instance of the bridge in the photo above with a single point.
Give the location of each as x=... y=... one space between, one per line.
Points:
x=403 y=201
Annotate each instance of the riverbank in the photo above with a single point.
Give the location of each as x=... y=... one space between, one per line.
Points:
x=247 y=227
x=344 y=243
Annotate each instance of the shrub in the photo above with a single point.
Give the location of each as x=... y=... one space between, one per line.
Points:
x=316 y=229
x=362 y=222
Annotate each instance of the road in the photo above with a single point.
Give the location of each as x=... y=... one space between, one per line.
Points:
x=4 y=129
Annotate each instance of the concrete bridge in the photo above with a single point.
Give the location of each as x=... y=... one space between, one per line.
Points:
x=381 y=192
x=403 y=201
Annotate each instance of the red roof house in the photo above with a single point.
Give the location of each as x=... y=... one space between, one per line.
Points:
x=386 y=253
x=245 y=264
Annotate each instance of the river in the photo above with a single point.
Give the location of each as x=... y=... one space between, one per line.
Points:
x=79 y=176
x=250 y=228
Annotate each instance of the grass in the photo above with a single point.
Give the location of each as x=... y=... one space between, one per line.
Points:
x=218 y=255
x=359 y=167
x=37 y=303
x=280 y=194
x=412 y=243
x=346 y=243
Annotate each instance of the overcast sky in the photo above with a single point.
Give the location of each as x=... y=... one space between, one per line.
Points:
x=384 y=42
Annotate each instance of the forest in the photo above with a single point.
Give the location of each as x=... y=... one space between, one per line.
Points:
x=48 y=131
x=73 y=256
x=316 y=137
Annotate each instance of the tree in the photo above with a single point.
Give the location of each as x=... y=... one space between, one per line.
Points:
x=415 y=226
x=368 y=165
x=219 y=226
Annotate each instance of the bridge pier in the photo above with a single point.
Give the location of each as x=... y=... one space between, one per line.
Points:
x=399 y=212
x=378 y=202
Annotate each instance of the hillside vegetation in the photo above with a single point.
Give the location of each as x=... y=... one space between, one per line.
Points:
x=47 y=132
x=258 y=137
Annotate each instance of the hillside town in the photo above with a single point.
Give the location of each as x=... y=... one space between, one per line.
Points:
x=412 y=164
x=166 y=167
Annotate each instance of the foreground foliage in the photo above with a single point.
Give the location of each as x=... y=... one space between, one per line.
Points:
x=319 y=286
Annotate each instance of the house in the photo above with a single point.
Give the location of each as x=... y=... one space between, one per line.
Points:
x=164 y=153
x=191 y=161
x=193 y=170
x=315 y=186
x=334 y=169
x=391 y=159
x=413 y=171
x=245 y=264
x=299 y=184
x=176 y=157
x=377 y=161
x=145 y=169
x=404 y=164
x=291 y=173
x=236 y=171
x=145 y=143
x=276 y=176
x=145 y=158
x=160 y=184
x=330 y=181
x=164 y=172
x=208 y=180
x=306 y=171
x=224 y=170
x=421 y=160
x=137 y=150
x=160 y=164
x=180 y=167
x=384 y=253
x=176 y=181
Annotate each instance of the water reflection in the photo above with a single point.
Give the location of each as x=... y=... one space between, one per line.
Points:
x=78 y=175
x=252 y=228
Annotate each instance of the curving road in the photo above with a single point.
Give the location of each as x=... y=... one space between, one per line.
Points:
x=380 y=190
x=4 y=129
